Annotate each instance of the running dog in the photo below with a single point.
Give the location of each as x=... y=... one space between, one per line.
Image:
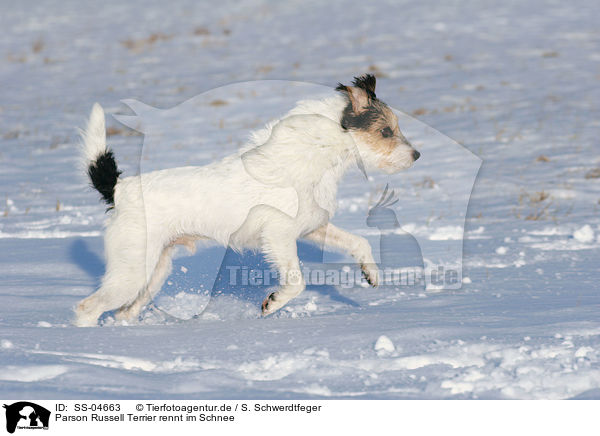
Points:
x=280 y=187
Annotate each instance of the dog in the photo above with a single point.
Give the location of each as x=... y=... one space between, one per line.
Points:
x=277 y=189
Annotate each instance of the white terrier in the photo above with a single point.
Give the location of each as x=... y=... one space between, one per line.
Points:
x=280 y=187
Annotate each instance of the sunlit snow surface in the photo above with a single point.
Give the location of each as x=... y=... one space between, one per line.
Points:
x=515 y=84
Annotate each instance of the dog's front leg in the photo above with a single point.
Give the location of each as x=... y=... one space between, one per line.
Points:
x=282 y=252
x=358 y=247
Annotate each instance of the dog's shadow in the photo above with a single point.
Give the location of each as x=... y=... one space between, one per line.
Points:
x=248 y=276
x=244 y=276
x=314 y=254
x=90 y=262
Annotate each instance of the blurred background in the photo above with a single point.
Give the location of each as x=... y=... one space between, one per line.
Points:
x=517 y=78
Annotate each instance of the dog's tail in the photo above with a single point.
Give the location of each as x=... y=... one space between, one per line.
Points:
x=99 y=160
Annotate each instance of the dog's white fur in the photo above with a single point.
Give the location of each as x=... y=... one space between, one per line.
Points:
x=279 y=188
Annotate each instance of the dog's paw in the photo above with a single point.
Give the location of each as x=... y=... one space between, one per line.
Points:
x=371 y=273
x=84 y=317
x=271 y=304
x=85 y=321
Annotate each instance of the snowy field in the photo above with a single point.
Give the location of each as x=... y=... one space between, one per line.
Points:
x=516 y=83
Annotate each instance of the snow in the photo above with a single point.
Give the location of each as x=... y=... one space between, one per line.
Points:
x=514 y=83
x=501 y=250
x=31 y=373
x=384 y=345
x=585 y=234
x=447 y=232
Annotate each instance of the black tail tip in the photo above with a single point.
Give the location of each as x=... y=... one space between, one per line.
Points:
x=103 y=173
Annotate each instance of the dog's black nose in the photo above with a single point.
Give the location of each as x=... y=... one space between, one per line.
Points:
x=416 y=154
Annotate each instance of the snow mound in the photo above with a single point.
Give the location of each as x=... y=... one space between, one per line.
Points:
x=585 y=234
x=384 y=345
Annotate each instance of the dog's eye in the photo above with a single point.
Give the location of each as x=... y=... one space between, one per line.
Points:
x=386 y=132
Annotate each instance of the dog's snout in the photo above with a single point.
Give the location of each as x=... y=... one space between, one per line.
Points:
x=416 y=154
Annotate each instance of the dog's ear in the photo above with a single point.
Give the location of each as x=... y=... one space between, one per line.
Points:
x=359 y=98
x=366 y=82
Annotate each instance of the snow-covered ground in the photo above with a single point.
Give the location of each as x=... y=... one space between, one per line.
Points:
x=517 y=83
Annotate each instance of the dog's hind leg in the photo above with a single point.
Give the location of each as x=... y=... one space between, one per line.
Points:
x=160 y=274
x=282 y=252
x=112 y=294
x=129 y=267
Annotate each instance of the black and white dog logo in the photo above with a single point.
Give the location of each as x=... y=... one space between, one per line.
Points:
x=26 y=415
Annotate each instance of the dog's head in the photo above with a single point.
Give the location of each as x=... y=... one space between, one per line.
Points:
x=374 y=128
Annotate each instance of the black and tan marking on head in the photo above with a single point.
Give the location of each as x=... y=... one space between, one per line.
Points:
x=368 y=116
x=374 y=127
x=363 y=106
